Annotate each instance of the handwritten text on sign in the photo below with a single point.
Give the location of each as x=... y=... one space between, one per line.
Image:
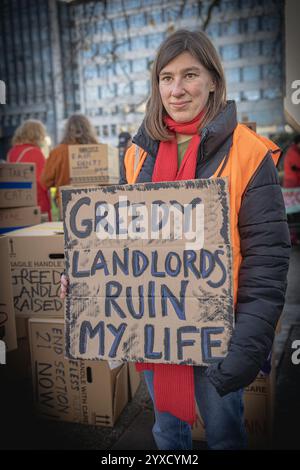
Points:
x=154 y=290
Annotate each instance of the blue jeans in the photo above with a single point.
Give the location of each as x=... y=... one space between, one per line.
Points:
x=223 y=418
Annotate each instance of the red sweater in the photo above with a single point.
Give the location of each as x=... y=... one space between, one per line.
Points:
x=34 y=155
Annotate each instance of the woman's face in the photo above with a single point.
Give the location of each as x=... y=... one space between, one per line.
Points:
x=184 y=86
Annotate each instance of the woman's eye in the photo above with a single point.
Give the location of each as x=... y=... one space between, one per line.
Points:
x=166 y=79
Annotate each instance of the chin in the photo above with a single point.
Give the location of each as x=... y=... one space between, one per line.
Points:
x=180 y=116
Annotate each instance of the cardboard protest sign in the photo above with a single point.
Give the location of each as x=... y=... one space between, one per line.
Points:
x=17 y=185
x=94 y=164
x=150 y=270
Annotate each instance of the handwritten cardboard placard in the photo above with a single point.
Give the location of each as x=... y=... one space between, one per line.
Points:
x=36 y=261
x=150 y=269
x=94 y=164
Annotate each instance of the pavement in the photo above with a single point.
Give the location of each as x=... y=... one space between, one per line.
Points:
x=23 y=430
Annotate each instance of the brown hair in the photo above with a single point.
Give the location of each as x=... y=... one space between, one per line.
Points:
x=78 y=131
x=31 y=131
x=199 y=46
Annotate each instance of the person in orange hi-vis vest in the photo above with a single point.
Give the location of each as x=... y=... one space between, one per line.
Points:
x=190 y=131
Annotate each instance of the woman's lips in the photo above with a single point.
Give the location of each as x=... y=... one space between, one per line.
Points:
x=180 y=104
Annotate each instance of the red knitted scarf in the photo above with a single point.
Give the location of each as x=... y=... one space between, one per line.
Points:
x=174 y=384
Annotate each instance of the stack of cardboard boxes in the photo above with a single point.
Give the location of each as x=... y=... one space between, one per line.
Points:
x=71 y=390
x=79 y=391
x=18 y=196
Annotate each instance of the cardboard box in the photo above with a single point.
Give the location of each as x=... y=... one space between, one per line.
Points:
x=19 y=217
x=7 y=313
x=259 y=411
x=85 y=392
x=37 y=260
x=259 y=406
x=17 y=185
x=94 y=164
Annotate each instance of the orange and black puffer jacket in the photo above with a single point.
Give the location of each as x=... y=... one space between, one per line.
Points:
x=259 y=235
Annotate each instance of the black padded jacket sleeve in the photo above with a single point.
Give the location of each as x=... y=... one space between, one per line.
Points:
x=265 y=248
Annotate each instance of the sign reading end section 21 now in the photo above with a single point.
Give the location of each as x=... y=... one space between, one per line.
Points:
x=150 y=272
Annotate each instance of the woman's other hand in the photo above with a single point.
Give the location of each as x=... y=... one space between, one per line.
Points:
x=64 y=284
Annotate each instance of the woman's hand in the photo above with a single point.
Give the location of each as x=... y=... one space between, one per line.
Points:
x=64 y=284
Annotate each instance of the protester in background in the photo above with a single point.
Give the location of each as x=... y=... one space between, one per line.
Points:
x=190 y=131
x=27 y=142
x=78 y=131
x=291 y=178
x=124 y=144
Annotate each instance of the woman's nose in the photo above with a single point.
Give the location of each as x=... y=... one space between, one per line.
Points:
x=177 y=88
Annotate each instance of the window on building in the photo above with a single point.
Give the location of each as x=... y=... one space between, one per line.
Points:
x=253 y=24
x=115 y=110
x=105 y=130
x=272 y=93
x=113 y=129
x=123 y=46
x=91 y=93
x=250 y=49
x=140 y=87
x=271 y=23
x=172 y=13
x=119 y=23
x=233 y=75
x=268 y=47
x=251 y=95
x=124 y=89
x=99 y=112
x=133 y=3
x=229 y=28
x=137 y=21
x=154 y=40
x=123 y=67
x=271 y=71
x=150 y=2
x=101 y=69
x=90 y=72
x=104 y=48
x=138 y=42
x=154 y=17
x=230 y=52
x=229 y=5
x=139 y=65
x=108 y=91
x=251 y=74
x=213 y=30
x=115 y=6
x=190 y=10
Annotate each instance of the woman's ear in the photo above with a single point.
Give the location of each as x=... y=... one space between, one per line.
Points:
x=212 y=87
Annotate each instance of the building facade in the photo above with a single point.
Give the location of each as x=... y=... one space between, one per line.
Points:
x=95 y=57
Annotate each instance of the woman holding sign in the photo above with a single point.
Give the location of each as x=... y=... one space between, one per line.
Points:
x=190 y=131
